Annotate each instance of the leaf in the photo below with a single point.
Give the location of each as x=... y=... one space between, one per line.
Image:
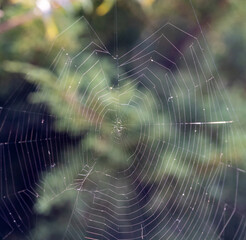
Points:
x=105 y=7
x=51 y=29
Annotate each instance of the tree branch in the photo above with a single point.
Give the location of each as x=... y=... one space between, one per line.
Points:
x=16 y=21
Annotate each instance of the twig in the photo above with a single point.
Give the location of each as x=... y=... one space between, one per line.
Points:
x=17 y=21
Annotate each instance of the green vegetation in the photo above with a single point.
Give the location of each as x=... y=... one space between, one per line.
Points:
x=172 y=139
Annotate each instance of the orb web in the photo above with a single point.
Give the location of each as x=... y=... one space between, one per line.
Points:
x=136 y=146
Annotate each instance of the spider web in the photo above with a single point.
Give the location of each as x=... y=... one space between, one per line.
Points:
x=172 y=183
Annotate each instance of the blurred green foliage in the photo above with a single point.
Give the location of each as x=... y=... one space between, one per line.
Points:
x=24 y=51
